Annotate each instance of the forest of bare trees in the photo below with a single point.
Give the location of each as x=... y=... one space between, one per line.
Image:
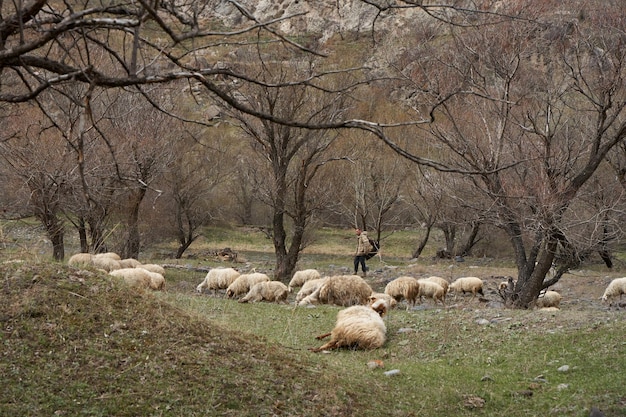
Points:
x=126 y=123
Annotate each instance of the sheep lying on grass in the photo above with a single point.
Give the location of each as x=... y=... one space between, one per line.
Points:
x=549 y=299
x=617 y=287
x=272 y=291
x=243 y=283
x=218 y=279
x=308 y=288
x=432 y=290
x=140 y=278
x=472 y=285
x=341 y=290
x=129 y=263
x=300 y=277
x=403 y=288
x=80 y=259
x=109 y=255
x=357 y=327
x=105 y=261
x=153 y=268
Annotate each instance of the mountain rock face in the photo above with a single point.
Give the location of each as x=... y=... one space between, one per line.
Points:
x=322 y=17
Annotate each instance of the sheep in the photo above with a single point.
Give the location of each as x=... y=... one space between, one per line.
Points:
x=242 y=284
x=154 y=268
x=309 y=288
x=342 y=290
x=157 y=281
x=300 y=277
x=218 y=279
x=358 y=327
x=80 y=259
x=404 y=287
x=134 y=277
x=105 y=262
x=129 y=263
x=381 y=305
x=431 y=289
x=391 y=302
x=549 y=299
x=441 y=281
x=110 y=255
x=272 y=291
x=467 y=284
x=615 y=288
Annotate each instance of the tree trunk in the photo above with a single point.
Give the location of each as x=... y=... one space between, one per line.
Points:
x=82 y=235
x=420 y=248
x=471 y=240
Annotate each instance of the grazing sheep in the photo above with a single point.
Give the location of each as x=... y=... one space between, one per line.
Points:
x=134 y=277
x=300 y=277
x=358 y=327
x=154 y=268
x=549 y=299
x=343 y=290
x=272 y=291
x=441 y=281
x=105 y=262
x=110 y=255
x=381 y=306
x=242 y=284
x=406 y=288
x=129 y=263
x=80 y=259
x=157 y=281
x=309 y=288
x=615 y=288
x=391 y=302
x=218 y=279
x=473 y=285
x=432 y=290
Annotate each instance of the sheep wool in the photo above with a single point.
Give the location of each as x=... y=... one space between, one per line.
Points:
x=441 y=281
x=358 y=327
x=157 y=281
x=110 y=255
x=300 y=277
x=307 y=289
x=129 y=263
x=154 y=268
x=80 y=259
x=134 y=277
x=106 y=263
x=432 y=290
x=272 y=291
x=242 y=284
x=391 y=302
x=617 y=287
x=403 y=288
x=472 y=285
x=344 y=290
x=549 y=299
x=218 y=279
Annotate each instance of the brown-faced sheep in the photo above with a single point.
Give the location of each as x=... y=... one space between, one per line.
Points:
x=432 y=290
x=549 y=299
x=472 y=285
x=300 y=277
x=357 y=327
x=617 y=287
x=243 y=283
x=272 y=291
x=218 y=279
x=391 y=302
x=307 y=289
x=342 y=290
x=403 y=288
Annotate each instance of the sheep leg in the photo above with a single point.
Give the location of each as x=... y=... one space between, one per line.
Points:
x=328 y=346
x=323 y=336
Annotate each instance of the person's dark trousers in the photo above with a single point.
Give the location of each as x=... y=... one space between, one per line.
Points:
x=359 y=260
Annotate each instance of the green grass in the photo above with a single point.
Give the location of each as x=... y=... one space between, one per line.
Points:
x=74 y=342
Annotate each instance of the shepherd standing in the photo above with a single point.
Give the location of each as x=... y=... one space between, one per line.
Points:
x=362 y=248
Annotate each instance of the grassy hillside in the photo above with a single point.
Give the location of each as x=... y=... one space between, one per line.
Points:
x=76 y=342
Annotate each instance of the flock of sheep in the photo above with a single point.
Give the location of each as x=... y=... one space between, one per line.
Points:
x=359 y=325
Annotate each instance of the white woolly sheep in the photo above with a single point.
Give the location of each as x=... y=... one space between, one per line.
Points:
x=110 y=255
x=157 y=281
x=153 y=268
x=218 y=279
x=80 y=259
x=342 y=290
x=242 y=284
x=441 y=281
x=309 y=288
x=403 y=288
x=391 y=302
x=549 y=299
x=300 y=277
x=134 y=277
x=432 y=290
x=381 y=306
x=105 y=262
x=272 y=291
x=472 y=285
x=358 y=327
x=617 y=287
x=129 y=263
